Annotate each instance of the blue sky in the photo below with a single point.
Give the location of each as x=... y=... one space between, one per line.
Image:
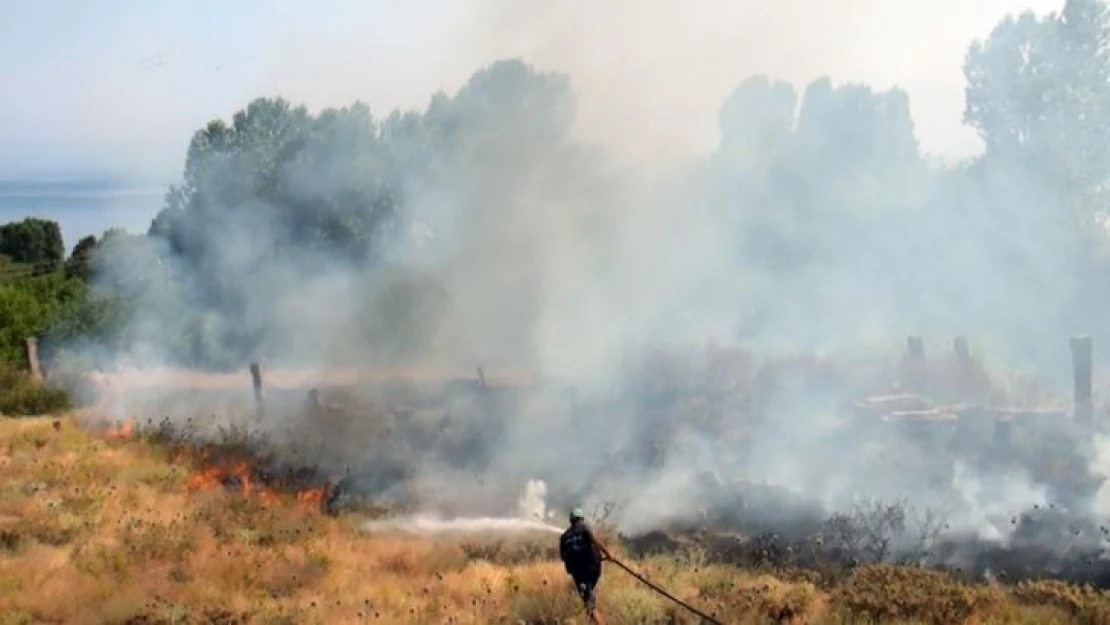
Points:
x=119 y=85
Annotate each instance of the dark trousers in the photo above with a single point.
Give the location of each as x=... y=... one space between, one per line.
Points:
x=585 y=582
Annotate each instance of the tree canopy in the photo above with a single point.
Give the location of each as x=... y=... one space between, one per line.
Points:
x=416 y=225
x=33 y=241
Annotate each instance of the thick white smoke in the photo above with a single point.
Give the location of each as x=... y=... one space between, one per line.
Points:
x=804 y=241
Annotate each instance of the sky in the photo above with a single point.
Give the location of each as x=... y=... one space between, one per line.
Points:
x=121 y=85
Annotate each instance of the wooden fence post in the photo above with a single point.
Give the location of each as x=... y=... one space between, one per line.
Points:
x=915 y=349
x=963 y=353
x=314 y=404
x=911 y=371
x=256 y=380
x=31 y=351
x=1081 y=362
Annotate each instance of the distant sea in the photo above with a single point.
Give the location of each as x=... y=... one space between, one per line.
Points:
x=82 y=205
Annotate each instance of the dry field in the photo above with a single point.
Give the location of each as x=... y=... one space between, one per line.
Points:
x=112 y=528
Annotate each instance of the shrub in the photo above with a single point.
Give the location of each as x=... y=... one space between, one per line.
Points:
x=884 y=592
x=1083 y=603
x=22 y=396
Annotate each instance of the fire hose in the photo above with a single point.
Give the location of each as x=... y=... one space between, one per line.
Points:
x=645 y=581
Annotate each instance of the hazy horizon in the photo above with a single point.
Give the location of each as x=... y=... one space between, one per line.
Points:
x=150 y=75
x=83 y=203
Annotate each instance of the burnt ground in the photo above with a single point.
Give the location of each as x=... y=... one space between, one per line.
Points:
x=451 y=447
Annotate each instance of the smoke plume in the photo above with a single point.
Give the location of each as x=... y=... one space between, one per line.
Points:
x=682 y=339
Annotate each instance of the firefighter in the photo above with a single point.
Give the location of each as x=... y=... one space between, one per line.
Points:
x=582 y=555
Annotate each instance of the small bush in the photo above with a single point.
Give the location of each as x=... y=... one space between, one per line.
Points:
x=884 y=592
x=553 y=602
x=1083 y=603
x=777 y=601
x=21 y=396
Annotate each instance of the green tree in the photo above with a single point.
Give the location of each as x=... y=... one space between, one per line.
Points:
x=77 y=266
x=337 y=193
x=1009 y=81
x=230 y=169
x=804 y=182
x=1038 y=92
x=33 y=241
x=757 y=123
x=857 y=146
x=276 y=191
x=32 y=307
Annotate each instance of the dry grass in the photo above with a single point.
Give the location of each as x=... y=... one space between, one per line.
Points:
x=95 y=530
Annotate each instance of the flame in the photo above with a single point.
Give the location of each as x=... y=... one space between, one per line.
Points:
x=242 y=474
x=221 y=475
x=226 y=473
x=312 y=498
x=121 y=430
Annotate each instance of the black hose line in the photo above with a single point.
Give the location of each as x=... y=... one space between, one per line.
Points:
x=705 y=617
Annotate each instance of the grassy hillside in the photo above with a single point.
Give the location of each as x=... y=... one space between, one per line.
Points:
x=115 y=529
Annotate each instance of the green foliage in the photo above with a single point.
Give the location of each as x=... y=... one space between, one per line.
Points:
x=311 y=179
x=78 y=264
x=886 y=593
x=1037 y=92
x=51 y=307
x=799 y=174
x=335 y=182
x=31 y=307
x=276 y=191
x=55 y=304
x=33 y=241
x=21 y=396
x=804 y=173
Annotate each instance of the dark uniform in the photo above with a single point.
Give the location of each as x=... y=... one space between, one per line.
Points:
x=582 y=560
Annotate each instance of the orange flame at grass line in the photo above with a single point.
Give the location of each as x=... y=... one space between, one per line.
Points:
x=121 y=430
x=217 y=476
x=312 y=498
